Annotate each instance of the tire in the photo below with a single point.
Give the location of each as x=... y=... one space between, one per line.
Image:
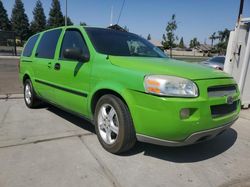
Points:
x=113 y=124
x=30 y=97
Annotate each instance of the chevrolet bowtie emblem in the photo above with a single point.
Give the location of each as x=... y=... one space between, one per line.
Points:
x=230 y=100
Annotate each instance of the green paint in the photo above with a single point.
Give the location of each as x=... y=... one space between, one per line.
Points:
x=155 y=116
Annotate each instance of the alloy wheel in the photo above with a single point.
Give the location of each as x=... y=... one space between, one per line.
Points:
x=108 y=124
x=27 y=93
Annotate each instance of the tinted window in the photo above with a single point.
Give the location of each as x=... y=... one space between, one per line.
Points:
x=73 y=39
x=220 y=60
x=47 y=45
x=30 y=45
x=119 y=43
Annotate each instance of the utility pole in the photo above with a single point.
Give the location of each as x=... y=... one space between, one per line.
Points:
x=66 y=12
x=120 y=12
x=111 y=16
x=240 y=10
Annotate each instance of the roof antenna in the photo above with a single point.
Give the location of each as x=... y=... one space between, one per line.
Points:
x=120 y=12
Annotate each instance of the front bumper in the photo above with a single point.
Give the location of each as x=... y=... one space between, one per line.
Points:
x=192 y=139
x=159 y=117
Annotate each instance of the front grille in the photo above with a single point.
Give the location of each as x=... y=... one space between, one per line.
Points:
x=224 y=109
x=220 y=91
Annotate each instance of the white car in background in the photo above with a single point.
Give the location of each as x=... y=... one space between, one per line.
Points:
x=216 y=62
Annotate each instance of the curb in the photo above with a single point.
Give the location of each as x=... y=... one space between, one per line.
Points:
x=9 y=57
x=11 y=96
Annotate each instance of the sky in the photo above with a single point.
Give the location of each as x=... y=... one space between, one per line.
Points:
x=195 y=18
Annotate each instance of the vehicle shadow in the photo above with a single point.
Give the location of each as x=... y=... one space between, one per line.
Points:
x=192 y=153
x=186 y=154
x=78 y=121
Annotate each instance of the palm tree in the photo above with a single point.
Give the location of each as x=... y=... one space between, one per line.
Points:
x=212 y=38
x=224 y=35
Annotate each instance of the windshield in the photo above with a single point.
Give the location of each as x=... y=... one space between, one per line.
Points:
x=220 y=60
x=119 y=43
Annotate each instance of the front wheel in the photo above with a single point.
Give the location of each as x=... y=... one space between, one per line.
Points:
x=113 y=124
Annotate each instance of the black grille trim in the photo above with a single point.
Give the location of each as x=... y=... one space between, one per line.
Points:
x=223 y=109
x=219 y=91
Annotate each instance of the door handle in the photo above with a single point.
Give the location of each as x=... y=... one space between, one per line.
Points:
x=49 y=64
x=57 y=66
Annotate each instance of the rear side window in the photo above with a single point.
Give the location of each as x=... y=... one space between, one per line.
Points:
x=47 y=45
x=30 y=45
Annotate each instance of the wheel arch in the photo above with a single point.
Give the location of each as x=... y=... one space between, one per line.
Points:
x=101 y=92
x=25 y=77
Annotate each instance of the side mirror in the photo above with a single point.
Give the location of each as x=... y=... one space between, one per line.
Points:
x=75 y=54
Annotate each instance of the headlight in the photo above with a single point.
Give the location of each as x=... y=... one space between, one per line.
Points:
x=170 y=86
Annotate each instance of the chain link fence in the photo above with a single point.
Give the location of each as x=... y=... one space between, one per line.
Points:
x=8 y=43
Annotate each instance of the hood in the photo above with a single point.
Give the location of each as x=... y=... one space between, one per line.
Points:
x=167 y=66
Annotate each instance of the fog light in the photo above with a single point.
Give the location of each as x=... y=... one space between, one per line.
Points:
x=184 y=113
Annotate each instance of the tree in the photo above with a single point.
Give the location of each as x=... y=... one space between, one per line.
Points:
x=69 y=22
x=4 y=20
x=39 y=19
x=194 y=43
x=19 y=21
x=164 y=44
x=181 y=44
x=212 y=38
x=170 y=38
x=149 y=37
x=55 y=15
x=83 y=24
x=223 y=37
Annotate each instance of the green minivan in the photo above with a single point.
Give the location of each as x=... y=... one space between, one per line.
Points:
x=128 y=88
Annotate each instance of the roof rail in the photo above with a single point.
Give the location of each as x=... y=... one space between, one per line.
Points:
x=117 y=27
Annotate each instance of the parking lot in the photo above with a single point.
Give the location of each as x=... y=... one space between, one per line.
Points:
x=49 y=147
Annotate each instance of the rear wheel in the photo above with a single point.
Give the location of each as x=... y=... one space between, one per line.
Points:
x=30 y=97
x=113 y=124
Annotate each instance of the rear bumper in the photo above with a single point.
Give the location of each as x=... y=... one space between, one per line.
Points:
x=192 y=139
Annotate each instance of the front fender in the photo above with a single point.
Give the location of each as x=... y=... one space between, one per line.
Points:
x=125 y=93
